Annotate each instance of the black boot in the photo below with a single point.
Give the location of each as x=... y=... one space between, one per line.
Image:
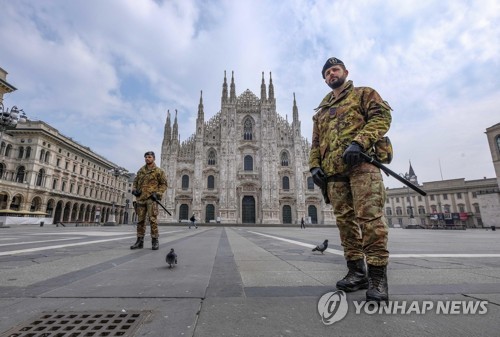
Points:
x=155 y=244
x=378 y=290
x=138 y=244
x=356 y=277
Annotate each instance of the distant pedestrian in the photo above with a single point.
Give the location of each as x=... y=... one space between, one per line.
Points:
x=193 y=222
x=302 y=224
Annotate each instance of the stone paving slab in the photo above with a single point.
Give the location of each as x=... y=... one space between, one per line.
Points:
x=233 y=282
x=297 y=316
x=149 y=276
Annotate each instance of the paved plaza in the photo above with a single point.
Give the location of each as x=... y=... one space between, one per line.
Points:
x=235 y=281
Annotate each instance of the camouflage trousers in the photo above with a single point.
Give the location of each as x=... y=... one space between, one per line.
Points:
x=358 y=206
x=147 y=209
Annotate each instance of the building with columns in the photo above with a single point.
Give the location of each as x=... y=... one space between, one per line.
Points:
x=43 y=171
x=456 y=202
x=245 y=165
x=451 y=202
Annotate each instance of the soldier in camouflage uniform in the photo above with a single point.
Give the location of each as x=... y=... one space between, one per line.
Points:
x=149 y=185
x=347 y=122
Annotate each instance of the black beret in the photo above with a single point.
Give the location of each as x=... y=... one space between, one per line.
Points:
x=330 y=63
x=149 y=153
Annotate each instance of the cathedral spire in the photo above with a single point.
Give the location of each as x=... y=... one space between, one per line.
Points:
x=201 y=113
x=412 y=177
x=167 y=134
x=175 y=131
x=263 y=96
x=224 y=89
x=232 y=94
x=295 y=110
x=271 y=87
x=411 y=171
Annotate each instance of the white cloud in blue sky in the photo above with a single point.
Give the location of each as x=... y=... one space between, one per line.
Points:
x=106 y=72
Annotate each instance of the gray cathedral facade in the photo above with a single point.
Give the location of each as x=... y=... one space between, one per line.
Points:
x=245 y=165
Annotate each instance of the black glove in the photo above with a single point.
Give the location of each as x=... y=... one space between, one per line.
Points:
x=155 y=196
x=318 y=176
x=352 y=155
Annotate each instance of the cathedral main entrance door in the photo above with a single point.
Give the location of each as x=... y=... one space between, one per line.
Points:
x=287 y=214
x=248 y=209
x=209 y=213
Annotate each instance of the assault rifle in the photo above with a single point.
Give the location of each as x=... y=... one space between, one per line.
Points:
x=159 y=203
x=324 y=191
x=392 y=173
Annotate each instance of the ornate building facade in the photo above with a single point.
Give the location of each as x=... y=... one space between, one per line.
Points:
x=43 y=172
x=245 y=165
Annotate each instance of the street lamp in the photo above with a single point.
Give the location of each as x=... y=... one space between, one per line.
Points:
x=9 y=119
x=127 y=205
x=116 y=172
x=409 y=177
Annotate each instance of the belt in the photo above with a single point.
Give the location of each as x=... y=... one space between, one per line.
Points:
x=337 y=178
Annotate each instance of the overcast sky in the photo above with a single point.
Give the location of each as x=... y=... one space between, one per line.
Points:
x=106 y=72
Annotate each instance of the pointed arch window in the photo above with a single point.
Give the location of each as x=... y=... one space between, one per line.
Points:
x=185 y=182
x=2 y=170
x=284 y=158
x=247 y=129
x=212 y=158
x=28 y=152
x=248 y=163
x=210 y=182
x=21 y=152
x=310 y=183
x=286 y=183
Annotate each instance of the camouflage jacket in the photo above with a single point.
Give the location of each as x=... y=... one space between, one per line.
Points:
x=149 y=181
x=358 y=114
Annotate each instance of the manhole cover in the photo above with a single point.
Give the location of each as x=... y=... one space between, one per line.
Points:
x=80 y=324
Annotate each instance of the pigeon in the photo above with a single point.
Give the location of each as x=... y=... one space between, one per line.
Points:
x=322 y=247
x=171 y=258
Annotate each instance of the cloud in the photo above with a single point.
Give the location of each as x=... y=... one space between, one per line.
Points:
x=106 y=72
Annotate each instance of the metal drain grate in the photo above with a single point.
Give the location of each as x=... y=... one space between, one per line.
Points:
x=80 y=324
